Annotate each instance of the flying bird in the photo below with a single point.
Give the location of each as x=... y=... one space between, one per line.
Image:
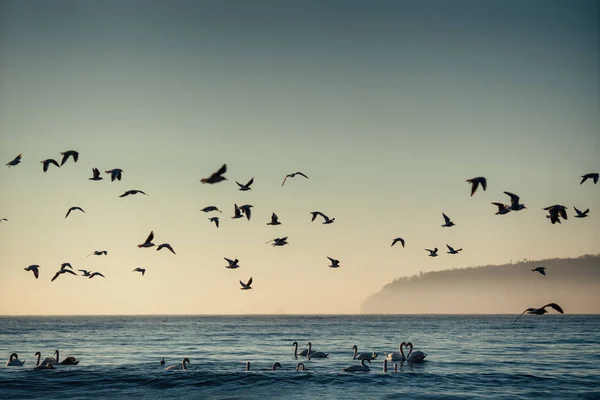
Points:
x=475 y=182
x=581 y=214
x=47 y=163
x=85 y=272
x=593 y=175
x=555 y=212
x=233 y=264
x=115 y=174
x=293 y=175
x=279 y=241
x=452 y=251
x=514 y=202
x=502 y=208
x=217 y=176
x=138 y=269
x=133 y=191
x=246 y=210
x=98 y=253
x=237 y=212
x=210 y=208
x=96 y=175
x=541 y=270
x=66 y=265
x=246 y=286
x=62 y=271
x=3 y=219
x=15 y=161
x=93 y=274
x=541 y=310
x=274 y=220
x=399 y=239
x=326 y=221
x=67 y=154
x=245 y=187
x=447 y=223
x=165 y=245
x=73 y=209
x=334 y=263
x=215 y=220
x=34 y=269
x=148 y=242
x=432 y=253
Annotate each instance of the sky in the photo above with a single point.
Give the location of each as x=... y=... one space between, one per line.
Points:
x=387 y=106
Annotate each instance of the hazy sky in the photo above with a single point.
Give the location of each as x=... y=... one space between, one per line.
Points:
x=388 y=107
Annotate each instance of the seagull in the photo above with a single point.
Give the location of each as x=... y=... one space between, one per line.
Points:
x=293 y=175
x=502 y=208
x=541 y=270
x=133 y=191
x=237 y=212
x=114 y=174
x=14 y=162
x=215 y=220
x=553 y=215
x=452 y=251
x=233 y=264
x=593 y=175
x=246 y=286
x=246 y=210
x=148 y=242
x=217 y=176
x=555 y=211
x=399 y=239
x=34 y=269
x=581 y=214
x=334 y=263
x=74 y=208
x=3 y=219
x=47 y=163
x=98 y=253
x=85 y=272
x=210 y=208
x=274 y=220
x=67 y=154
x=245 y=187
x=433 y=253
x=279 y=241
x=541 y=310
x=475 y=182
x=66 y=265
x=514 y=202
x=62 y=271
x=448 y=223
x=165 y=245
x=138 y=269
x=93 y=274
x=96 y=175
x=325 y=217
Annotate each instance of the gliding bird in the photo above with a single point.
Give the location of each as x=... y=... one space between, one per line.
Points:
x=62 y=271
x=245 y=187
x=15 y=161
x=593 y=175
x=47 y=163
x=541 y=270
x=475 y=182
x=67 y=154
x=34 y=269
x=217 y=176
x=73 y=209
x=132 y=191
x=167 y=246
x=398 y=240
x=293 y=175
x=541 y=310
x=138 y=269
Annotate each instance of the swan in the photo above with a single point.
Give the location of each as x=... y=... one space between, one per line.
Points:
x=416 y=357
x=177 y=367
x=300 y=367
x=397 y=355
x=303 y=353
x=359 y=368
x=67 y=361
x=13 y=361
x=276 y=366
x=360 y=356
x=315 y=354
x=47 y=363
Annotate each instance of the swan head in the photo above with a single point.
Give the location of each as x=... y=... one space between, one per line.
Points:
x=276 y=366
x=295 y=344
x=300 y=367
x=309 y=344
x=13 y=355
x=355 y=348
x=186 y=360
x=37 y=354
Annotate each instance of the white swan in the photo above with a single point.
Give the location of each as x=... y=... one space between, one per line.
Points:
x=397 y=355
x=47 y=363
x=13 y=361
x=360 y=356
x=177 y=367
x=359 y=368
x=315 y=354
x=416 y=357
x=303 y=353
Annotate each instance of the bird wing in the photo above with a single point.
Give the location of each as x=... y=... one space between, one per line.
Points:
x=247 y=212
x=62 y=271
x=431 y=251
x=499 y=205
x=529 y=309
x=217 y=222
x=513 y=197
x=125 y=194
x=584 y=179
x=577 y=211
x=542 y=271
x=284 y=179
x=36 y=272
x=401 y=241
x=75 y=155
x=300 y=173
x=563 y=213
x=228 y=260
x=150 y=237
x=483 y=182
x=249 y=282
x=586 y=211
x=446 y=218
x=250 y=182
x=474 y=184
x=68 y=212
x=332 y=260
x=555 y=306
x=314 y=215
x=222 y=170
x=273 y=218
x=55 y=276
x=450 y=248
x=168 y=246
x=239 y=184
x=65 y=157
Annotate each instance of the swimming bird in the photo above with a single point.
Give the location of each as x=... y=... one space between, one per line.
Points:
x=541 y=310
x=237 y=212
x=13 y=361
x=414 y=357
x=95 y=175
x=62 y=271
x=432 y=253
x=593 y=175
x=514 y=202
x=98 y=253
x=210 y=208
x=148 y=242
x=233 y=264
x=217 y=176
x=34 y=269
x=115 y=173
x=315 y=354
x=15 y=161
x=326 y=221
x=581 y=214
x=245 y=187
x=398 y=240
x=293 y=175
x=67 y=154
x=138 y=269
x=73 y=209
x=93 y=274
x=177 y=367
x=452 y=251
x=47 y=163
x=215 y=220
x=359 y=368
x=3 y=219
x=279 y=241
x=66 y=265
x=276 y=366
x=246 y=286
x=541 y=270
x=165 y=245
x=246 y=210
x=85 y=272
x=46 y=364
x=303 y=353
x=502 y=208
x=397 y=355
x=274 y=220
x=132 y=192
x=475 y=182
x=67 y=361
x=162 y=362
x=447 y=223
x=334 y=263
x=300 y=367
x=360 y=356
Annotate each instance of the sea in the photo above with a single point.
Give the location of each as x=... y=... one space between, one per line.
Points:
x=477 y=357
